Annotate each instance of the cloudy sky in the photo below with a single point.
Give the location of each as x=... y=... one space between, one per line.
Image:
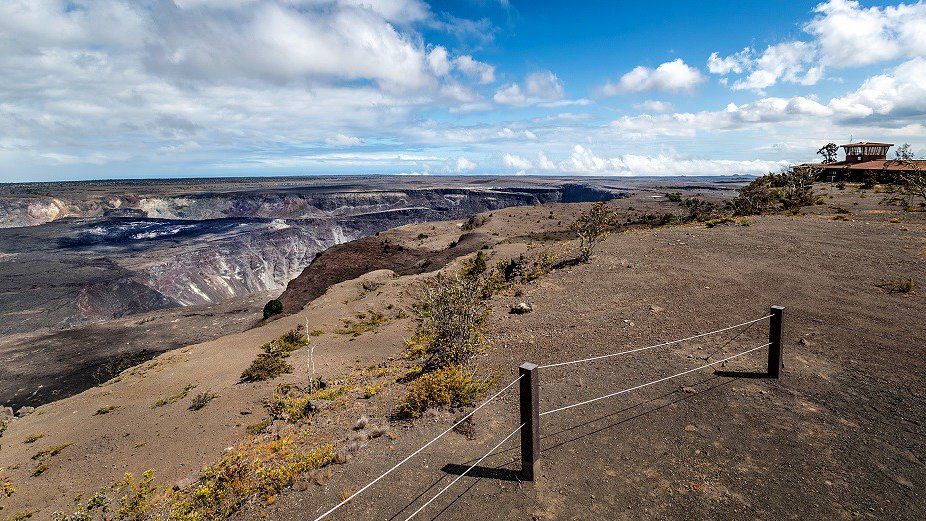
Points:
x=178 y=88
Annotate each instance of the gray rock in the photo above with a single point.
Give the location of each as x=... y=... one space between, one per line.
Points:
x=6 y=412
x=23 y=411
x=521 y=308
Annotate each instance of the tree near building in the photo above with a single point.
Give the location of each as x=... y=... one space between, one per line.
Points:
x=829 y=153
x=911 y=177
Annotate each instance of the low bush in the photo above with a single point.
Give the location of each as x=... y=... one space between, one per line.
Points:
x=105 y=410
x=900 y=285
x=592 y=227
x=256 y=469
x=289 y=403
x=367 y=321
x=271 y=363
x=266 y=367
x=450 y=386
x=201 y=400
x=453 y=313
x=473 y=222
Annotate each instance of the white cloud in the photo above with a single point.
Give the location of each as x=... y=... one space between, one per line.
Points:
x=735 y=63
x=343 y=140
x=788 y=62
x=539 y=87
x=516 y=162
x=851 y=35
x=843 y=35
x=893 y=98
x=90 y=80
x=672 y=76
x=465 y=165
x=484 y=72
x=658 y=107
x=439 y=61
x=583 y=161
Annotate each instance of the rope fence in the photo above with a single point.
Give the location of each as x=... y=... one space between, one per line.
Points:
x=529 y=403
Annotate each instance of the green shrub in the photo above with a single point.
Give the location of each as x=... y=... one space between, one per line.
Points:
x=448 y=386
x=201 y=400
x=266 y=367
x=289 y=403
x=272 y=362
x=592 y=227
x=273 y=307
x=453 y=314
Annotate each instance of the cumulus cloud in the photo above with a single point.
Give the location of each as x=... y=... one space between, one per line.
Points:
x=671 y=76
x=343 y=140
x=655 y=106
x=894 y=99
x=465 y=165
x=735 y=63
x=516 y=162
x=843 y=35
x=539 y=87
x=583 y=161
x=129 y=80
x=851 y=35
x=484 y=72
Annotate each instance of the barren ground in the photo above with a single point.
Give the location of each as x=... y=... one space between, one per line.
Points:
x=840 y=435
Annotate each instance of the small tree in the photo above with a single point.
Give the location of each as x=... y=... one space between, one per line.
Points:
x=754 y=198
x=453 y=313
x=593 y=227
x=798 y=187
x=904 y=153
x=911 y=176
x=829 y=153
x=274 y=307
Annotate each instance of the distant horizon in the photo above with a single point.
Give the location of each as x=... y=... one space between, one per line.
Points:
x=92 y=89
x=551 y=177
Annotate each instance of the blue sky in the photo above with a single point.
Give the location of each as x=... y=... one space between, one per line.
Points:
x=184 y=88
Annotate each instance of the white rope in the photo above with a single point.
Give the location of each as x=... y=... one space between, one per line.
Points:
x=654 y=381
x=487 y=454
x=654 y=346
x=413 y=454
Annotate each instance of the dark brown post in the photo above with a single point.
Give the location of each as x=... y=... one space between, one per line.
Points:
x=774 y=340
x=530 y=417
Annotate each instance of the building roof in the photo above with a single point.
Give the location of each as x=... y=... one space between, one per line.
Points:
x=867 y=144
x=877 y=164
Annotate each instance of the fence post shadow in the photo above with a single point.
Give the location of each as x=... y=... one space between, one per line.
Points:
x=483 y=472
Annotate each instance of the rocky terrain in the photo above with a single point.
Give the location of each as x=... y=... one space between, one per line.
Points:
x=840 y=435
x=74 y=256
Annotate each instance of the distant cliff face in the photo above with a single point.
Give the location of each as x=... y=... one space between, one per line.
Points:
x=36 y=209
x=125 y=255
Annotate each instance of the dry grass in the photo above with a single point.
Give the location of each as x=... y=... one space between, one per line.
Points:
x=367 y=321
x=449 y=386
x=900 y=285
x=259 y=468
x=32 y=438
x=106 y=409
x=201 y=400
x=174 y=398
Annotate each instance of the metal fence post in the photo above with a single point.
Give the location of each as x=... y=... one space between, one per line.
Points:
x=530 y=418
x=774 y=340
